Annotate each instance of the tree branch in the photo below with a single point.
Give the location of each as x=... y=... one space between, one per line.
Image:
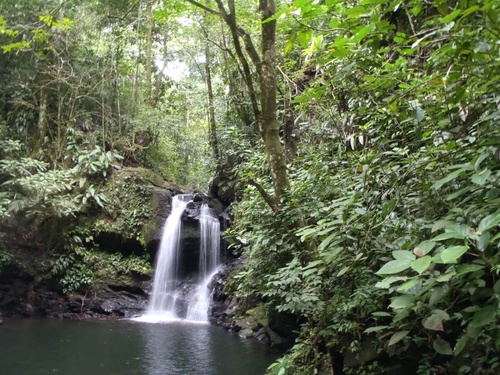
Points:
x=205 y=8
x=270 y=200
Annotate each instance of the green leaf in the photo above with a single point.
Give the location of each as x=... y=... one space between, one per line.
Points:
x=467 y=268
x=312 y=264
x=433 y=323
x=446 y=276
x=479 y=178
x=403 y=255
x=460 y=345
x=408 y=285
x=442 y=347
x=290 y=43
x=421 y=264
x=483 y=241
x=471 y=10
x=304 y=37
x=452 y=176
x=489 y=222
x=424 y=247
x=448 y=235
x=397 y=337
x=450 y=17
x=416 y=9
x=473 y=332
x=386 y=283
x=355 y=11
x=451 y=254
x=343 y=270
x=484 y=316
x=440 y=224
x=361 y=33
x=394 y=266
x=402 y=302
x=375 y=329
x=381 y=313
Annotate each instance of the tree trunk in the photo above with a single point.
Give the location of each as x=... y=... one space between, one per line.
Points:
x=42 y=119
x=268 y=124
x=149 y=51
x=159 y=82
x=211 y=106
x=265 y=65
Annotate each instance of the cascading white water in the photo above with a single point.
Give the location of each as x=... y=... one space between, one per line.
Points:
x=164 y=294
x=208 y=263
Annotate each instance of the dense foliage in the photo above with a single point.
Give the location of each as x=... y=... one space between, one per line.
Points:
x=91 y=119
x=396 y=181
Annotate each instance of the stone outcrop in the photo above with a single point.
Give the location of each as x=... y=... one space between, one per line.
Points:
x=20 y=296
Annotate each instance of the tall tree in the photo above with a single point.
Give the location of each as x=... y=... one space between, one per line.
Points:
x=265 y=67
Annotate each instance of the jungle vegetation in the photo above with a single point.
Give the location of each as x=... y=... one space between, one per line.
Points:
x=359 y=140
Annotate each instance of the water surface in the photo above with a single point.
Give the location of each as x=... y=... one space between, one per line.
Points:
x=56 y=346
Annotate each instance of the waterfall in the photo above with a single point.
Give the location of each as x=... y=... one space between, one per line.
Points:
x=168 y=296
x=208 y=263
x=164 y=294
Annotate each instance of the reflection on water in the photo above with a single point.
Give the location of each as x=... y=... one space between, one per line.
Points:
x=51 y=346
x=181 y=349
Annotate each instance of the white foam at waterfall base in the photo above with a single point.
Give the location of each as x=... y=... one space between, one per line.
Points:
x=200 y=300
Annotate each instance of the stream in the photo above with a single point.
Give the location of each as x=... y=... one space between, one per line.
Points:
x=121 y=347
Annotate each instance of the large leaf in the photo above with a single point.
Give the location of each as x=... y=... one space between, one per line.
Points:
x=484 y=316
x=394 y=266
x=489 y=222
x=403 y=255
x=424 y=247
x=460 y=345
x=433 y=322
x=402 y=302
x=421 y=264
x=451 y=254
x=480 y=178
x=449 y=235
x=408 y=285
x=452 y=176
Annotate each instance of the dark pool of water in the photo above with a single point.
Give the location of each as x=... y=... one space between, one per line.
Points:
x=65 y=347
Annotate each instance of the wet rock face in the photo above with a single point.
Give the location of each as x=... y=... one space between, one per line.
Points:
x=21 y=296
x=107 y=301
x=16 y=292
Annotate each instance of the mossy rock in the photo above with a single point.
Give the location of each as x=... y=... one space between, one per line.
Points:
x=129 y=213
x=259 y=314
